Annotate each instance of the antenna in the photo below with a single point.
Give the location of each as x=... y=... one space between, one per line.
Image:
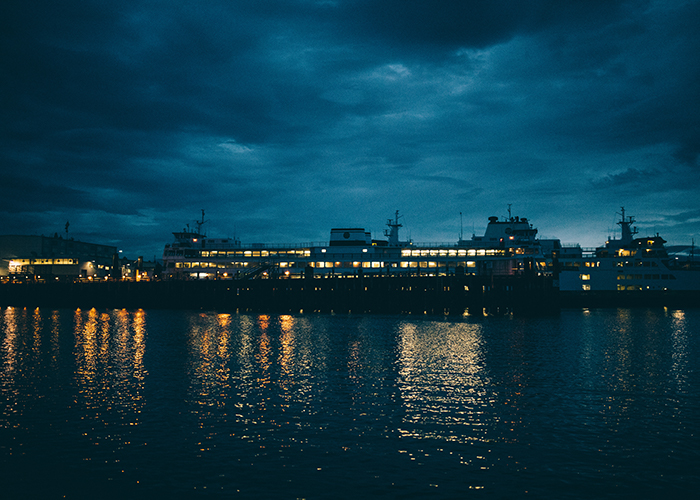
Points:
x=200 y=224
x=461 y=227
x=67 y=224
x=692 y=250
x=509 y=205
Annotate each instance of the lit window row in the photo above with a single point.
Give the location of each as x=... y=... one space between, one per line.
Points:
x=645 y=276
x=35 y=262
x=253 y=253
x=413 y=252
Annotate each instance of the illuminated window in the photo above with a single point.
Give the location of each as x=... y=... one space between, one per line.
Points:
x=586 y=286
x=585 y=277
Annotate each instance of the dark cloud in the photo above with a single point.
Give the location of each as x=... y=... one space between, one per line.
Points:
x=632 y=177
x=693 y=215
x=454 y=24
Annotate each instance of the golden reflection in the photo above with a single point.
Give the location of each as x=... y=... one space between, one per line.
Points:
x=104 y=336
x=224 y=321
x=209 y=338
x=9 y=330
x=104 y=359
x=37 y=326
x=55 y=338
x=286 y=357
x=86 y=347
x=679 y=353
x=9 y=343
x=139 y=344
x=109 y=349
x=263 y=358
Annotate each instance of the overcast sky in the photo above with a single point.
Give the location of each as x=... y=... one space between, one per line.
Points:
x=283 y=119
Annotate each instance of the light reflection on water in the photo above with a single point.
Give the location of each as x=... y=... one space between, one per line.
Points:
x=588 y=404
x=444 y=382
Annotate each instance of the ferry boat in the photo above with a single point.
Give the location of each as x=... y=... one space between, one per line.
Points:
x=508 y=247
x=629 y=264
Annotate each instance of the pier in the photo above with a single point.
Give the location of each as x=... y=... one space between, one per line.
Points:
x=445 y=295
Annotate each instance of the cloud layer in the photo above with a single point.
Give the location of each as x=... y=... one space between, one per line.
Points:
x=285 y=118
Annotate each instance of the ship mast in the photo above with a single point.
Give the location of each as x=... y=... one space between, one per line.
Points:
x=627 y=232
x=393 y=232
x=200 y=224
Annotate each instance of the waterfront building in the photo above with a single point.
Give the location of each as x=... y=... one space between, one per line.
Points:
x=50 y=258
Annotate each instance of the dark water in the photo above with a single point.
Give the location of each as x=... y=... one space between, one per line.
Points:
x=129 y=404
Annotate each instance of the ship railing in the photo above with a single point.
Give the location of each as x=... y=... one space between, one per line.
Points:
x=280 y=246
x=424 y=244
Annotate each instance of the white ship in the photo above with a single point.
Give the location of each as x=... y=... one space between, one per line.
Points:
x=629 y=264
x=508 y=247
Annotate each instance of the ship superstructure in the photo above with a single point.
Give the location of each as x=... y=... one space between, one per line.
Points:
x=627 y=264
x=508 y=247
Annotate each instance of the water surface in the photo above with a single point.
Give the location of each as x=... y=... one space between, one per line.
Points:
x=588 y=404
